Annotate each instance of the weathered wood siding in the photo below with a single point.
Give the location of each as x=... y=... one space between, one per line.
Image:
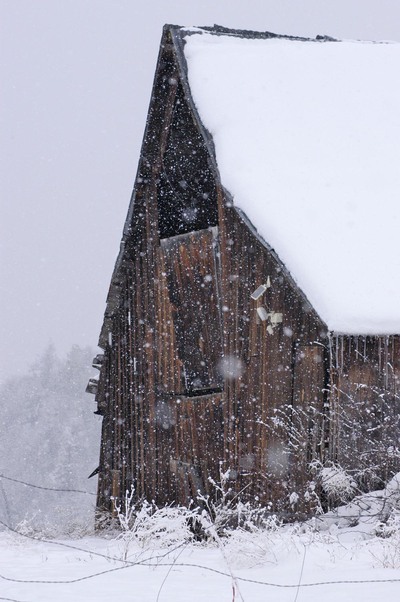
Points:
x=193 y=277
x=261 y=399
x=365 y=406
x=154 y=436
x=183 y=397
x=166 y=443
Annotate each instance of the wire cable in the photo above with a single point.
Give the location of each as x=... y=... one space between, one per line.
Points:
x=77 y=548
x=2 y=476
x=301 y=574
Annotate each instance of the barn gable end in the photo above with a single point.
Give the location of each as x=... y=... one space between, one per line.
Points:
x=213 y=356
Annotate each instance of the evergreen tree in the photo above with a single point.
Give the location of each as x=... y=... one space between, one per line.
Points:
x=49 y=437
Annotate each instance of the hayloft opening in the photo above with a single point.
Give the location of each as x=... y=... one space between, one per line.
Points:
x=187 y=199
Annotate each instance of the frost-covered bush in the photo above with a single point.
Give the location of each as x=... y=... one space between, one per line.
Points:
x=386 y=551
x=222 y=511
x=373 y=513
x=367 y=421
x=249 y=549
x=210 y=519
x=331 y=485
x=336 y=483
x=147 y=525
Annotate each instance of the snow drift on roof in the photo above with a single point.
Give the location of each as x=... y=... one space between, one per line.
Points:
x=307 y=138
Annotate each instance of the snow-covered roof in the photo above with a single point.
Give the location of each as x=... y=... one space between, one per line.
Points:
x=307 y=139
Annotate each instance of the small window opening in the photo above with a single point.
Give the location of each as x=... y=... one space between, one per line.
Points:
x=187 y=199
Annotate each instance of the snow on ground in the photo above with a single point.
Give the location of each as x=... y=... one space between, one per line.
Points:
x=181 y=574
x=307 y=139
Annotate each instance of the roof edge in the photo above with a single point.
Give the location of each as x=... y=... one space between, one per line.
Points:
x=128 y=220
x=220 y=30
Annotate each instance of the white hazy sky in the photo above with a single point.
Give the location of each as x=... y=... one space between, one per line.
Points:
x=76 y=80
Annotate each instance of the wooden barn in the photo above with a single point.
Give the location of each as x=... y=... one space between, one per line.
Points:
x=252 y=314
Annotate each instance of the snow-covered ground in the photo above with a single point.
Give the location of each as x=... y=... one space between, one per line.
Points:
x=342 y=565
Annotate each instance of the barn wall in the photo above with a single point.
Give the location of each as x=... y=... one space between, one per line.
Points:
x=262 y=416
x=365 y=406
x=166 y=443
x=155 y=436
x=275 y=402
x=258 y=406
